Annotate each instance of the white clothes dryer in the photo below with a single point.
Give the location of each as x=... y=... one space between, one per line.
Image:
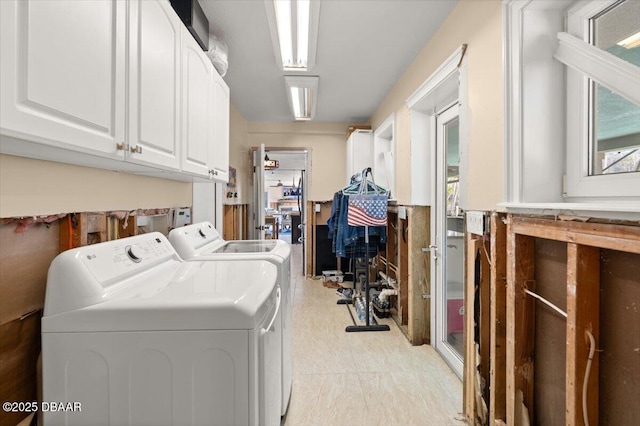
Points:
x=201 y=242
x=137 y=336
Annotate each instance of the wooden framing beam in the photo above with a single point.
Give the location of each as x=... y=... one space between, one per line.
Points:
x=130 y=230
x=73 y=231
x=614 y=237
x=418 y=280
x=497 y=371
x=469 y=371
x=402 y=270
x=485 y=314
x=520 y=325
x=583 y=313
x=228 y=222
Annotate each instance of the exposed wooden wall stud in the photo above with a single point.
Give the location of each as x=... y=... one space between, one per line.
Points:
x=583 y=313
x=497 y=380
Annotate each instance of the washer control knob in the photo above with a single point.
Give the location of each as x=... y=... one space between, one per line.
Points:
x=135 y=253
x=202 y=233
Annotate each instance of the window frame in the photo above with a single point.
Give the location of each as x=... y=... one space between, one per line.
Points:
x=535 y=118
x=586 y=64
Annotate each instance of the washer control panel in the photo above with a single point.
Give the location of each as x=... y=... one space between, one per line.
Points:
x=113 y=259
x=197 y=235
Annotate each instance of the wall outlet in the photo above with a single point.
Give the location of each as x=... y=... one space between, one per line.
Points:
x=475 y=222
x=402 y=212
x=316 y=208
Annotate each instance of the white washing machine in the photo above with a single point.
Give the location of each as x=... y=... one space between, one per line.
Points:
x=201 y=241
x=139 y=337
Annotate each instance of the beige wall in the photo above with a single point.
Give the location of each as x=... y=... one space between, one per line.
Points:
x=477 y=23
x=327 y=145
x=239 y=157
x=33 y=187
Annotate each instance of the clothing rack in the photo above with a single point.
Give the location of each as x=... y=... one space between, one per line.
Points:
x=368 y=326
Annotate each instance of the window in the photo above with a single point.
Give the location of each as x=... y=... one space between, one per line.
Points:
x=602 y=54
x=614 y=120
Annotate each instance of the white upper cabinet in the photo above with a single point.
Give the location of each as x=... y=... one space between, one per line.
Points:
x=63 y=74
x=220 y=147
x=197 y=108
x=95 y=83
x=359 y=152
x=154 y=84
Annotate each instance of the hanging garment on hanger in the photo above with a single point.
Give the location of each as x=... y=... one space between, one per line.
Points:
x=349 y=241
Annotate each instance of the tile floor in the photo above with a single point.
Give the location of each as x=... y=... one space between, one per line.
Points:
x=367 y=378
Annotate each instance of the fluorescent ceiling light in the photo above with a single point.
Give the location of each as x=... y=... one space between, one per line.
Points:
x=302 y=92
x=631 y=41
x=285 y=30
x=294 y=32
x=302 y=53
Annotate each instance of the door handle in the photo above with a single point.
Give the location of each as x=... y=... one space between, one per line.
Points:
x=432 y=249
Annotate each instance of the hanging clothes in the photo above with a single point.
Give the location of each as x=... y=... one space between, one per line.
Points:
x=349 y=241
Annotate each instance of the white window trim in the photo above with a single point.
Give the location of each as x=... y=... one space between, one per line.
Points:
x=540 y=127
x=389 y=123
x=437 y=90
x=585 y=61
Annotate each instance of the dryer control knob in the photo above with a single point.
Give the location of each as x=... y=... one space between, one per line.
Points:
x=134 y=252
x=202 y=233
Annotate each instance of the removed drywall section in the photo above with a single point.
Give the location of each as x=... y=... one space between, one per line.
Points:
x=24 y=262
x=19 y=350
x=33 y=187
x=550 y=333
x=619 y=338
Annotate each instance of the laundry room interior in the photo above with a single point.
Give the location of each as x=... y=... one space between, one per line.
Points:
x=317 y=212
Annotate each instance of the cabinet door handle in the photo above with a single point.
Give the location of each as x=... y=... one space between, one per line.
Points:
x=136 y=149
x=121 y=146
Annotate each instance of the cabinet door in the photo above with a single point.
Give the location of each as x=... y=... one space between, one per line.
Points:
x=154 y=84
x=361 y=151
x=220 y=152
x=349 y=159
x=197 y=107
x=63 y=73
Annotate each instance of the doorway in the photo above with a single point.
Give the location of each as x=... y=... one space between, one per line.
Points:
x=281 y=183
x=449 y=238
x=439 y=117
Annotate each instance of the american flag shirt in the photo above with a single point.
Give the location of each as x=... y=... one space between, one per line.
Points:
x=367 y=210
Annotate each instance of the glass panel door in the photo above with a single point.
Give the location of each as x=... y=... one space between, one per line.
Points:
x=449 y=242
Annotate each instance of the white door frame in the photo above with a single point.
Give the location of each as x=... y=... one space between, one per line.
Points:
x=258 y=194
x=439 y=239
x=258 y=182
x=447 y=84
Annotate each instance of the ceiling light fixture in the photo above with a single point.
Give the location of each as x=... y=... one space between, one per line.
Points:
x=294 y=32
x=302 y=92
x=631 y=41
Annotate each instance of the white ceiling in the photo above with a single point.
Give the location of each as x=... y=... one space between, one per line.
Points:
x=364 y=47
